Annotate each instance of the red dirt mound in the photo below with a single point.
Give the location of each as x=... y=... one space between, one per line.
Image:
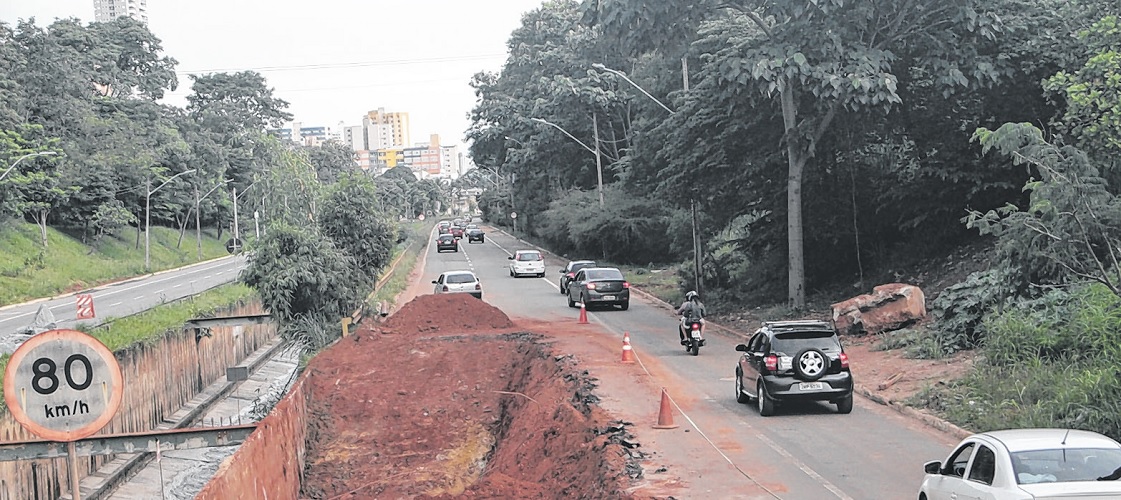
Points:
x=449 y=312
x=466 y=412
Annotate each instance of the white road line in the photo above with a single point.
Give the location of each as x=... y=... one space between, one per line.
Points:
x=177 y=285
x=138 y=297
x=805 y=468
x=115 y=304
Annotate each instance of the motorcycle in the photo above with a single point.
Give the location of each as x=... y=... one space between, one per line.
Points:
x=690 y=330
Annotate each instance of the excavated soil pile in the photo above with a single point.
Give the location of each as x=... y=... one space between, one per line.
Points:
x=446 y=400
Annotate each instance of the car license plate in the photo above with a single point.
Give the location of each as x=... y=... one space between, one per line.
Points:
x=810 y=386
x=608 y=297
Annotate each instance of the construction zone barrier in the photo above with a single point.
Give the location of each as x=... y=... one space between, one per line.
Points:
x=665 y=413
x=583 y=314
x=628 y=353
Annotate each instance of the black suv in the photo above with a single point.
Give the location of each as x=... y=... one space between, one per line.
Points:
x=794 y=360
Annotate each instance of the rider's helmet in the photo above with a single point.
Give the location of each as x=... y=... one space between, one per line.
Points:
x=692 y=295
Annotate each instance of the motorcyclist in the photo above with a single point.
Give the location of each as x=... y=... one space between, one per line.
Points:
x=691 y=310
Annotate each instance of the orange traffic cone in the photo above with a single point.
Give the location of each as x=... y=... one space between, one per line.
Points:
x=665 y=413
x=628 y=353
x=583 y=314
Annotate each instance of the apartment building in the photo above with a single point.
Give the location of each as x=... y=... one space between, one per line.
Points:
x=108 y=10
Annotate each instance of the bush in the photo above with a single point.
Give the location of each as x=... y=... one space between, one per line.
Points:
x=960 y=309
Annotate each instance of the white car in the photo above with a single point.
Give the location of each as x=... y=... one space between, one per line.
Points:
x=458 y=282
x=527 y=262
x=1027 y=464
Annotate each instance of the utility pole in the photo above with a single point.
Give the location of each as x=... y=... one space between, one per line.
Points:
x=235 y=218
x=198 y=219
x=599 y=161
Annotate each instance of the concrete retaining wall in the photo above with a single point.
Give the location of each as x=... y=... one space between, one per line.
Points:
x=270 y=463
x=158 y=379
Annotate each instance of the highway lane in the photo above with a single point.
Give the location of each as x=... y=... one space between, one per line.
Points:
x=121 y=299
x=808 y=450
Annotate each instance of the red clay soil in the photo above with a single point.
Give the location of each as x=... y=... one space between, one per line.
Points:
x=447 y=399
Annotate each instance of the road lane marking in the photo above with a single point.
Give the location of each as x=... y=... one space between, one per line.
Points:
x=801 y=465
x=177 y=285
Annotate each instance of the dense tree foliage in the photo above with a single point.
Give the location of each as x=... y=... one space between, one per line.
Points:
x=841 y=127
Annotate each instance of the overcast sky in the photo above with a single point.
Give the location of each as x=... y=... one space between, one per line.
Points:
x=333 y=60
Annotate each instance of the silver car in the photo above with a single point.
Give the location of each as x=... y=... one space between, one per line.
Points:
x=1026 y=464
x=458 y=282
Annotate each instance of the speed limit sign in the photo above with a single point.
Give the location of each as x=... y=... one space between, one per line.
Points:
x=63 y=385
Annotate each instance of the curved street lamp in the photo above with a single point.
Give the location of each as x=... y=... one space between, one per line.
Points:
x=148 y=214
x=599 y=161
x=24 y=157
x=620 y=74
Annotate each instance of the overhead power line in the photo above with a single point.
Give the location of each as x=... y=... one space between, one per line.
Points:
x=344 y=65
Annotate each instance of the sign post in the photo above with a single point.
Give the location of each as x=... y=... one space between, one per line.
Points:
x=63 y=385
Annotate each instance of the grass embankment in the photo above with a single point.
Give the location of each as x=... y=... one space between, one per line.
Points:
x=29 y=271
x=405 y=254
x=150 y=325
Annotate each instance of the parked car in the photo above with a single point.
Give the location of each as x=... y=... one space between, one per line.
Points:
x=569 y=272
x=458 y=282
x=475 y=234
x=794 y=360
x=447 y=242
x=1025 y=464
x=527 y=262
x=599 y=286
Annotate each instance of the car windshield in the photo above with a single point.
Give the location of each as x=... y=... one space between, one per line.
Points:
x=446 y=238
x=791 y=343
x=604 y=274
x=1064 y=465
x=460 y=278
x=529 y=256
x=580 y=265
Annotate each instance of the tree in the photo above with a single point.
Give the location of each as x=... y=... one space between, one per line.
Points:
x=1071 y=229
x=349 y=215
x=332 y=160
x=818 y=59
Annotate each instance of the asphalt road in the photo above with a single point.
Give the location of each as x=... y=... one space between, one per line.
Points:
x=120 y=299
x=806 y=451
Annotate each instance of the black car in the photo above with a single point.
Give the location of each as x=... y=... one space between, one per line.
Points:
x=475 y=234
x=794 y=360
x=599 y=286
x=569 y=272
x=447 y=242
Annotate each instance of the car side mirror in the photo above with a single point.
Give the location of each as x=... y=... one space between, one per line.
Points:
x=560 y=271
x=510 y=258
x=933 y=467
x=741 y=347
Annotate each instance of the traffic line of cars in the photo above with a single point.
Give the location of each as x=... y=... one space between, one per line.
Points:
x=786 y=361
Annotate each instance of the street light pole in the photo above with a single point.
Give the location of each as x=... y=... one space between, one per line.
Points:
x=24 y=157
x=198 y=218
x=620 y=74
x=148 y=214
x=599 y=161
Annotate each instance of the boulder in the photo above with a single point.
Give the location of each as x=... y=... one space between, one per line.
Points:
x=889 y=307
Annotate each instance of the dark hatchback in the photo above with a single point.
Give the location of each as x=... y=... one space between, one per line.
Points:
x=447 y=242
x=475 y=234
x=599 y=286
x=570 y=271
x=794 y=360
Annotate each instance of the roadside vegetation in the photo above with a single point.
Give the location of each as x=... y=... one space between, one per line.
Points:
x=412 y=239
x=28 y=271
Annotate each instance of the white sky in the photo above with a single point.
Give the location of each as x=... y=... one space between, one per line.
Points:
x=352 y=56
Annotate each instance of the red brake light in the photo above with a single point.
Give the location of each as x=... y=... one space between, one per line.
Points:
x=591 y=286
x=626 y=285
x=445 y=288
x=478 y=286
x=696 y=326
x=771 y=362
x=844 y=360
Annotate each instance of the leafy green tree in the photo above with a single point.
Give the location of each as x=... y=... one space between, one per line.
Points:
x=300 y=274
x=1092 y=93
x=818 y=59
x=1071 y=229
x=349 y=215
x=332 y=160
